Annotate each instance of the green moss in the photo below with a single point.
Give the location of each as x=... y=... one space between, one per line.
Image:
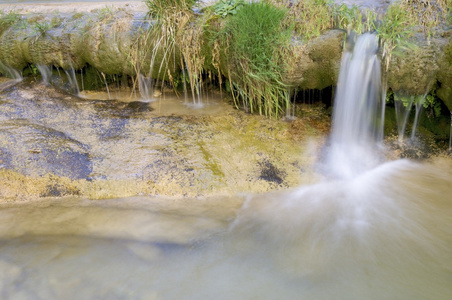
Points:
x=8 y=19
x=211 y=164
x=310 y=18
x=448 y=53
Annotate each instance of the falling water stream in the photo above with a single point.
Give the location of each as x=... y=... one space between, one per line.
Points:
x=371 y=229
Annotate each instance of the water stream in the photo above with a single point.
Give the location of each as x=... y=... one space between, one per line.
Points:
x=358 y=109
x=372 y=229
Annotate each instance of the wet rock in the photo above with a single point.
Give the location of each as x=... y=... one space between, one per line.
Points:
x=58 y=190
x=445 y=76
x=414 y=71
x=112 y=148
x=5 y=159
x=36 y=150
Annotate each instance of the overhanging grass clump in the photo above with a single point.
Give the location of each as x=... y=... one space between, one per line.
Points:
x=159 y=41
x=405 y=18
x=254 y=39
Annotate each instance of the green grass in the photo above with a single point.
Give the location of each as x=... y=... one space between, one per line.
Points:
x=254 y=39
x=158 y=42
x=8 y=19
x=353 y=18
x=394 y=30
x=309 y=18
x=168 y=9
x=404 y=18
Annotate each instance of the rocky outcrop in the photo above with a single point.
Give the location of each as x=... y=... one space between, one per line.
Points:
x=103 y=42
x=315 y=64
x=414 y=71
x=119 y=43
x=445 y=76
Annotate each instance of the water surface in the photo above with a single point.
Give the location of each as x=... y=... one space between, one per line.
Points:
x=383 y=235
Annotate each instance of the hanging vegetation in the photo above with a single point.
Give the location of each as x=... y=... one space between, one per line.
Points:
x=253 y=42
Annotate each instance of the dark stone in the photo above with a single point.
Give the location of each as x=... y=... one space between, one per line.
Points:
x=37 y=150
x=139 y=106
x=270 y=173
x=57 y=190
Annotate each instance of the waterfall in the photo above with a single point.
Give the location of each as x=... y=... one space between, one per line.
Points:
x=146 y=87
x=419 y=104
x=358 y=111
x=46 y=73
x=403 y=105
x=10 y=72
x=72 y=79
x=106 y=85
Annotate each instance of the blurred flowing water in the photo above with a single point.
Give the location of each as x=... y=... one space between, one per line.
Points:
x=378 y=230
x=358 y=115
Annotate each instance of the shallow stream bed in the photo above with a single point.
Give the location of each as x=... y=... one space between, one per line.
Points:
x=383 y=235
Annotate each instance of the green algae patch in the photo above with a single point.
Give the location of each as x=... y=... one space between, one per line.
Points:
x=211 y=164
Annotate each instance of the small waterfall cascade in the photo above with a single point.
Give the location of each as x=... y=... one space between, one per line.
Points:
x=195 y=88
x=418 y=104
x=403 y=106
x=358 y=111
x=72 y=79
x=106 y=85
x=46 y=73
x=146 y=87
x=10 y=72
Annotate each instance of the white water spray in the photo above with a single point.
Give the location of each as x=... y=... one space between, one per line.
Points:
x=358 y=234
x=358 y=112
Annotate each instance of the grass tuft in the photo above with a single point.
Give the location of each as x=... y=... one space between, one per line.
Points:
x=254 y=41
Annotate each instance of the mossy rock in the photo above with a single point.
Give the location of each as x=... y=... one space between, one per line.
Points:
x=445 y=76
x=11 y=53
x=315 y=64
x=413 y=71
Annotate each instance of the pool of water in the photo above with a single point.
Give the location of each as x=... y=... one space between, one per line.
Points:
x=383 y=235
